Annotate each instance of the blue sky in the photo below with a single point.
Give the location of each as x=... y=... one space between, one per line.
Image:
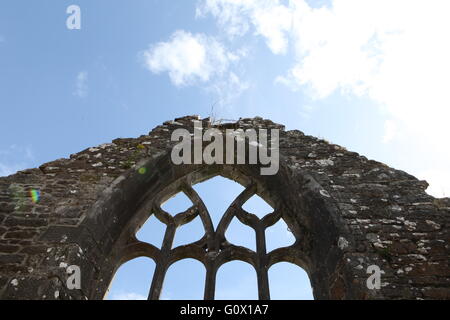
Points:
x=371 y=75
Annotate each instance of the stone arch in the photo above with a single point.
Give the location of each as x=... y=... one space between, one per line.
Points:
x=346 y=212
x=135 y=194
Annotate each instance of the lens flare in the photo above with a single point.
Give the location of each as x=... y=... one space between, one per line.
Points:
x=142 y=170
x=35 y=195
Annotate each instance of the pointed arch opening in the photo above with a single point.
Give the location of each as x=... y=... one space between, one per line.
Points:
x=257 y=206
x=278 y=236
x=185 y=280
x=217 y=194
x=240 y=234
x=236 y=280
x=152 y=232
x=132 y=280
x=288 y=281
x=176 y=204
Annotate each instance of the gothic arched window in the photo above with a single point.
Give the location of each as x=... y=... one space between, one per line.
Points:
x=183 y=228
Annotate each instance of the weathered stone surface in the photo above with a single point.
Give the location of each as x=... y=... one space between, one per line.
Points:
x=347 y=213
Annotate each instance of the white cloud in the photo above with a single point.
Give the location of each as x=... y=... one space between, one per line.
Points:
x=273 y=23
x=379 y=49
x=127 y=296
x=438 y=180
x=394 y=52
x=231 y=14
x=188 y=58
x=269 y=18
x=228 y=88
x=81 y=86
x=197 y=59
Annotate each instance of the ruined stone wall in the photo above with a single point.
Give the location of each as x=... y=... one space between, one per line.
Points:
x=347 y=213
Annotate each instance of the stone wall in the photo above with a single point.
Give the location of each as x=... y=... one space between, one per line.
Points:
x=346 y=212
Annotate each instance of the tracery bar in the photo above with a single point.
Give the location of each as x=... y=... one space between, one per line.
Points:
x=162 y=264
x=261 y=270
x=210 y=281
